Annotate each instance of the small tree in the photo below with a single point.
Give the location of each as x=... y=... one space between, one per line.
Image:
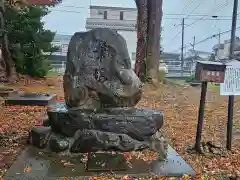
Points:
x=28 y=40
x=7 y=69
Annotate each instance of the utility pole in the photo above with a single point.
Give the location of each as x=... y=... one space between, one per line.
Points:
x=193 y=44
x=194 y=39
x=219 y=38
x=219 y=43
x=193 y=48
x=231 y=56
x=182 y=47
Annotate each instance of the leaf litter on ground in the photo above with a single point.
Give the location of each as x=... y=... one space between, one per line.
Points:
x=180 y=107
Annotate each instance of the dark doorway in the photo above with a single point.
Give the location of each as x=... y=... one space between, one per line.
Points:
x=121 y=15
x=105 y=14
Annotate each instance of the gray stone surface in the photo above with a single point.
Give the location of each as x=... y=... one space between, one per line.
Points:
x=39 y=136
x=138 y=123
x=92 y=141
x=103 y=162
x=119 y=129
x=31 y=99
x=98 y=71
x=46 y=167
x=58 y=144
x=101 y=90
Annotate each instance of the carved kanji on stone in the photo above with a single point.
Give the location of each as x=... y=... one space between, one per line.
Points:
x=101 y=90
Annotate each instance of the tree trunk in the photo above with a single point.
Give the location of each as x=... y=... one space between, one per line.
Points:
x=8 y=67
x=142 y=25
x=153 y=42
x=148 y=41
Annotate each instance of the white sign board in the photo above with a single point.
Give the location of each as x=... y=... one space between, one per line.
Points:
x=231 y=85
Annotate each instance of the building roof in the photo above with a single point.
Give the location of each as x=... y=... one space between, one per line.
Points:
x=199 y=52
x=211 y=62
x=61 y=37
x=229 y=40
x=237 y=48
x=192 y=58
x=218 y=46
x=169 y=55
x=113 y=8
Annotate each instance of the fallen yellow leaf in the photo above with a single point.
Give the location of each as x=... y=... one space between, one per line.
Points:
x=68 y=164
x=63 y=178
x=27 y=169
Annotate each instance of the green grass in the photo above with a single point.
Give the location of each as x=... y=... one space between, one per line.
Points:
x=213 y=86
x=179 y=81
x=52 y=73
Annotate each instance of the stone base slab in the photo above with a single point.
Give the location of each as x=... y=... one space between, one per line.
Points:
x=47 y=166
x=31 y=99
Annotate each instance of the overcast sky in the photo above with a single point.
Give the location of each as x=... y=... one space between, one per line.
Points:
x=70 y=16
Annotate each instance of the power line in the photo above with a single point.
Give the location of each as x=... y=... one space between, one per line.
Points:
x=165 y=14
x=184 y=10
x=77 y=7
x=216 y=9
x=190 y=2
x=193 y=10
x=199 y=19
x=215 y=36
x=208 y=38
x=193 y=15
x=68 y=11
x=171 y=18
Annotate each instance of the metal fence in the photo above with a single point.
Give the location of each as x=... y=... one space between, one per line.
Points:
x=58 y=68
x=175 y=69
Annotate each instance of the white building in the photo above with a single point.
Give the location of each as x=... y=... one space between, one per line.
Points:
x=123 y=20
x=221 y=51
x=58 y=59
x=61 y=41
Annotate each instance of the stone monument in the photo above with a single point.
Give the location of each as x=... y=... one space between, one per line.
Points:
x=101 y=91
x=98 y=122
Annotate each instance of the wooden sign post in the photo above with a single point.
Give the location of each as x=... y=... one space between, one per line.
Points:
x=206 y=71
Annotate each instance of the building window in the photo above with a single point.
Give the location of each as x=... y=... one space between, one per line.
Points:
x=100 y=12
x=121 y=15
x=105 y=14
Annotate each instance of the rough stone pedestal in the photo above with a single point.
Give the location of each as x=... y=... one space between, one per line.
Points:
x=109 y=129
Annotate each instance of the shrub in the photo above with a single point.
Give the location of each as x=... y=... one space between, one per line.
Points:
x=191 y=79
